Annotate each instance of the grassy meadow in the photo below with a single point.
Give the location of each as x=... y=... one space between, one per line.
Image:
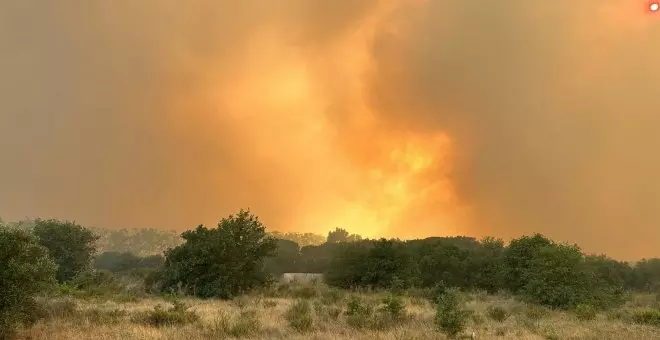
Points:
x=306 y=311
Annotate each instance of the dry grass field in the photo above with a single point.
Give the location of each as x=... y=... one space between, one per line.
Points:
x=262 y=316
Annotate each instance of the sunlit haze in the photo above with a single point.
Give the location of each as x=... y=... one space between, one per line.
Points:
x=394 y=118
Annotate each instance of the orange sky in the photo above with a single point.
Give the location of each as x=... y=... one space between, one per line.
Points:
x=398 y=118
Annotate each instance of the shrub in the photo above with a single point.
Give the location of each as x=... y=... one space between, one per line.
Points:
x=450 y=317
x=393 y=308
x=177 y=315
x=498 y=313
x=500 y=331
x=358 y=313
x=299 y=316
x=391 y=313
x=436 y=292
x=647 y=317
x=25 y=270
x=585 y=312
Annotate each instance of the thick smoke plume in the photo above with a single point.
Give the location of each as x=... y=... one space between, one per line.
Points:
x=402 y=118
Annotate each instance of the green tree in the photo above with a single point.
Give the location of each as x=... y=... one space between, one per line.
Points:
x=485 y=265
x=383 y=264
x=338 y=235
x=25 y=270
x=221 y=262
x=302 y=239
x=286 y=259
x=69 y=244
x=518 y=257
x=646 y=275
x=558 y=276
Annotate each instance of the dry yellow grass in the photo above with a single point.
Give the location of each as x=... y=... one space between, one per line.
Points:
x=271 y=311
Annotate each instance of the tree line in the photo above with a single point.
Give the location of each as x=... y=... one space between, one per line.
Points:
x=239 y=255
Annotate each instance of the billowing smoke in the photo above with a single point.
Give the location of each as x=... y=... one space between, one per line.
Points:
x=403 y=118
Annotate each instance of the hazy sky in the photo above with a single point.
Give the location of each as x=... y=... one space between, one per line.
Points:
x=404 y=118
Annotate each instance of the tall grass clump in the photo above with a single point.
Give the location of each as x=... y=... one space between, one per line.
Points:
x=246 y=324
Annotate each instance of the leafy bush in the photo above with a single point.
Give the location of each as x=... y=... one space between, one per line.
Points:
x=585 y=312
x=222 y=262
x=450 y=318
x=177 y=315
x=647 y=317
x=69 y=244
x=391 y=313
x=393 y=308
x=436 y=292
x=299 y=316
x=498 y=313
x=25 y=270
x=358 y=313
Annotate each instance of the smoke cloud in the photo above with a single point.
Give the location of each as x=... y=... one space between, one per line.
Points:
x=398 y=118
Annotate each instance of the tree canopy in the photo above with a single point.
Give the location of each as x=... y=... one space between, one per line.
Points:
x=71 y=246
x=220 y=262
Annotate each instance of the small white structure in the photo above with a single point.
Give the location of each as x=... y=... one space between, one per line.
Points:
x=302 y=278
